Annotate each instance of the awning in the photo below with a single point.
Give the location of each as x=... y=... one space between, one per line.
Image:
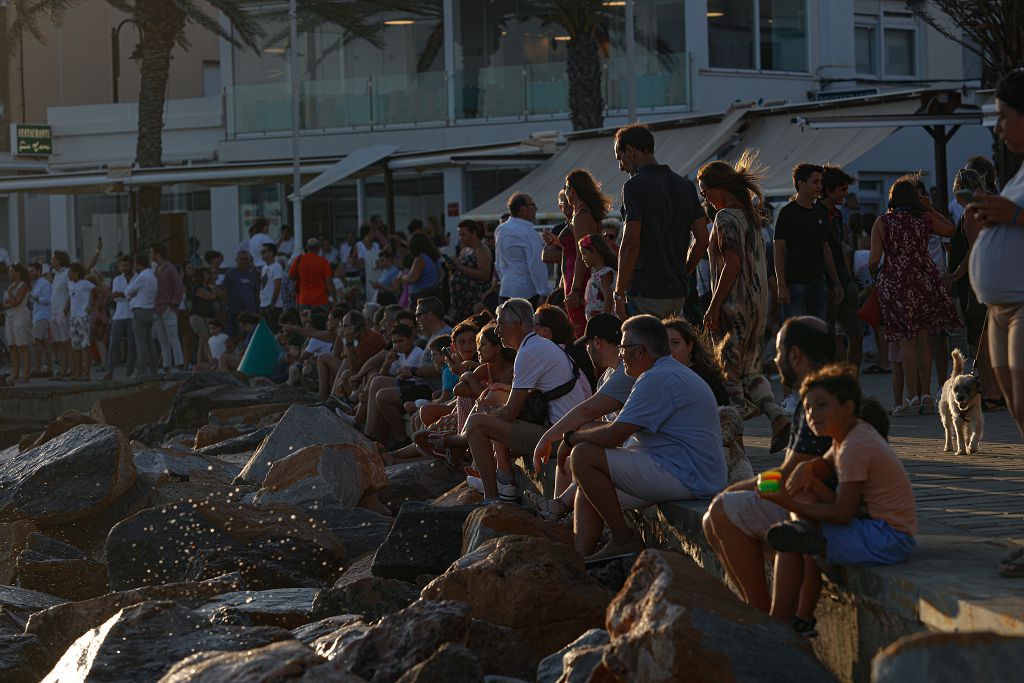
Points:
x=350 y=165
x=782 y=144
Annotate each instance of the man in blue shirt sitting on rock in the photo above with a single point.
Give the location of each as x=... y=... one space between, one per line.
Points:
x=665 y=444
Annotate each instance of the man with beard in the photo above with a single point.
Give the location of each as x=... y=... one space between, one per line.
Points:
x=737 y=521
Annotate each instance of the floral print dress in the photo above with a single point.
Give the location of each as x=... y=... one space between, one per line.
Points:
x=911 y=291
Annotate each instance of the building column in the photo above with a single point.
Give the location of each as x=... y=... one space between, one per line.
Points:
x=15 y=228
x=225 y=221
x=61 y=224
x=448 y=21
x=455 y=197
x=360 y=201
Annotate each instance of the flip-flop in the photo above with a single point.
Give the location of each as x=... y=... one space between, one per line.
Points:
x=1012 y=566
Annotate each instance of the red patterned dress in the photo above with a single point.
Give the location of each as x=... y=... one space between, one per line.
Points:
x=910 y=288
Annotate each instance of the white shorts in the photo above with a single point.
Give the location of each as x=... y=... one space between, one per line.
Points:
x=752 y=514
x=640 y=481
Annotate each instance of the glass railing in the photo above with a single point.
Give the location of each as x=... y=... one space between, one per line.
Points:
x=514 y=92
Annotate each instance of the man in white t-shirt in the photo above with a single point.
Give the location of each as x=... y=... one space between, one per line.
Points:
x=540 y=365
x=121 y=322
x=60 y=328
x=141 y=295
x=271 y=282
x=260 y=236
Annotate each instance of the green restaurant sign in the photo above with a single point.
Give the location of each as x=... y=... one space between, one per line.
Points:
x=31 y=140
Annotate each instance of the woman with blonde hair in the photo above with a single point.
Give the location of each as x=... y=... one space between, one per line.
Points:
x=589 y=207
x=738 y=312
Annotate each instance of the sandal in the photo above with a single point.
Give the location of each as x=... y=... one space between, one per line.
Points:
x=907 y=409
x=927 y=405
x=1012 y=566
x=552 y=509
x=877 y=369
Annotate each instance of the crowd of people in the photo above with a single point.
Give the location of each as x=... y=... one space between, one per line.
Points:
x=668 y=319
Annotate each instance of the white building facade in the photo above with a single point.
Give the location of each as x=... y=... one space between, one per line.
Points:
x=467 y=73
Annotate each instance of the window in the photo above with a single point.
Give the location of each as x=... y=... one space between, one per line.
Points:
x=865 y=40
x=900 y=52
x=766 y=35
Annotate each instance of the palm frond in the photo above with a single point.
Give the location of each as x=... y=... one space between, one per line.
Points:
x=29 y=13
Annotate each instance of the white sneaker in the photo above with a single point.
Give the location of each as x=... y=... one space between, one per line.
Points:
x=789 y=404
x=506 y=492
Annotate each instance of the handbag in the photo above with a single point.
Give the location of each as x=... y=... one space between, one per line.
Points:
x=871 y=311
x=535 y=409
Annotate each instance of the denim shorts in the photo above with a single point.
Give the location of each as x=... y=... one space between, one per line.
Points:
x=866 y=542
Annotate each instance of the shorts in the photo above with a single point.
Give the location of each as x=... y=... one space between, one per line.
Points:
x=411 y=390
x=59 y=328
x=866 y=542
x=752 y=514
x=18 y=327
x=659 y=308
x=844 y=315
x=524 y=438
x=41 y=330
x=1006 y=335
x=80 y=332
x=640 y=481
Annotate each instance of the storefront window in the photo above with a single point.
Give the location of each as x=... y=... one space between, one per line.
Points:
x=783 y=35
x=766 y=35
x=900 y=52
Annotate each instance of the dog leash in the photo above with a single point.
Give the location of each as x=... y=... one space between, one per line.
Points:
x=982 y=344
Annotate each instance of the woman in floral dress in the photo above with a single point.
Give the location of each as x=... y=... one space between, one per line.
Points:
x=738 y=312
x=914 y=298
x=471 y=273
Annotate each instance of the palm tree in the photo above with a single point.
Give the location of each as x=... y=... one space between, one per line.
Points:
x=161 y=25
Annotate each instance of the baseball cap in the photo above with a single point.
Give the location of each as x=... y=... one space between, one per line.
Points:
x=603 y=326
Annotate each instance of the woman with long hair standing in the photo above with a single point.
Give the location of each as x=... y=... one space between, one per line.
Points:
x=589 y=207
x=999 y=250
x=18 y=321
x=471 y=271
x=914 y=299
x=738 y=312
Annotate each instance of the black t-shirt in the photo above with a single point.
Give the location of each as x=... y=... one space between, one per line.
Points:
x=717 y=388
x=804 y=231
x=666 y=205
x=835 y=244
x=802 y=439
x=204 y=308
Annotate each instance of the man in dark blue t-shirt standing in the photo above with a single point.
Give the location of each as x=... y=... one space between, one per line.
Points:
x=662 y=212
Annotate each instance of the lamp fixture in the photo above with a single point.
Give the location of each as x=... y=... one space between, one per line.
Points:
x=399 y=22
x=563 y=39
x=615 y=3
x=715 y=15
x=277 y=51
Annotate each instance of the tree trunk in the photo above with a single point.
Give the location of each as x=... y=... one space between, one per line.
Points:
x=160 y=22
x=583 y=69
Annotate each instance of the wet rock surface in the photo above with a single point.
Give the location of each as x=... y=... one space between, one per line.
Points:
x=372 y=597
x=49 y=566
x=536 y=587
x=161 y=634
x=301 y=426
x=950 y=658
x=272 y=547
x=339 y=474
x=67 y=421
x=285 y=607
x=24 y=601
x=419 y=481
x=452 y=662
x=72 y=476
x=575 y=662
x=424 y=540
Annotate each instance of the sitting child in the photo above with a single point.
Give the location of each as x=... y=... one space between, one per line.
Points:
x=868 y=519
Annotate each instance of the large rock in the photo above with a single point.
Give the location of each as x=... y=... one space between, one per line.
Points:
x=59 y=569
x=385 y=650
x=308 y=633
x=272 y=547
x=285 y=607
x=72 y=476
x=141 y=642
x=538 y=588
x=674 y=621
x=500 y=651
x=361 y=530
x=424 y=540
x=248 y=416
x=372 y=597
x=324 y=473
x=462 y=494
x=283 y=662
x=950 y=658
x=65 y=422
x=419 y=481
x=575 y=662
x=301 y=426
x=246 y=442
x=504 y=519
x=22 y=658
x=13 y=539
x=158 y=465
x=58 y=626
x=23 y=601
x=211 y=434
x=148 y=403
x=451 y=663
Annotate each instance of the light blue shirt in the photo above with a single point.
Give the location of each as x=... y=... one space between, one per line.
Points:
x=41 y=300
x=679 y=427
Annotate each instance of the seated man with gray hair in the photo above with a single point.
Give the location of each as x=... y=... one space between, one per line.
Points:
x=665 y=444
x=541 y=365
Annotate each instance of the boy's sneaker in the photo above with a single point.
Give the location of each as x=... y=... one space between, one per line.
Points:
x=805 y=628
x=796 y=537
x=508 y=493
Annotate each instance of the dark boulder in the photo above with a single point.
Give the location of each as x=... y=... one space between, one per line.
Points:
x=424 y=540
x=22 y=658
x=60 y=569
x=372 y=597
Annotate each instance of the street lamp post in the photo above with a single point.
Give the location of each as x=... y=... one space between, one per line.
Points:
x=115 y=50
x=293 y=28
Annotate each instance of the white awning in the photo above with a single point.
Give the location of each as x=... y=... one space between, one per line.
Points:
x=782 y=144
x=351 y=164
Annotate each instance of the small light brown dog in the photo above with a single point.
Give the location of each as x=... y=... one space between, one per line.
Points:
x=960 y=409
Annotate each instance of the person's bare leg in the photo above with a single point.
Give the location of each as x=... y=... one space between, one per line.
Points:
x=789 y=577
x=86 y=364
x=432 y=412
x=562 y=479
x=480 y=430
x=587 y=525
x=15 y=364
x=372 y=412
x=589 y=466
x=909 y=350
x=389 y=403
x=326 y=368
x=923 y=350
x=742 y=555
x=810 y=591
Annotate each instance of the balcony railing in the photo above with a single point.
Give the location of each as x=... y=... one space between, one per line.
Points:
x=499 y=93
